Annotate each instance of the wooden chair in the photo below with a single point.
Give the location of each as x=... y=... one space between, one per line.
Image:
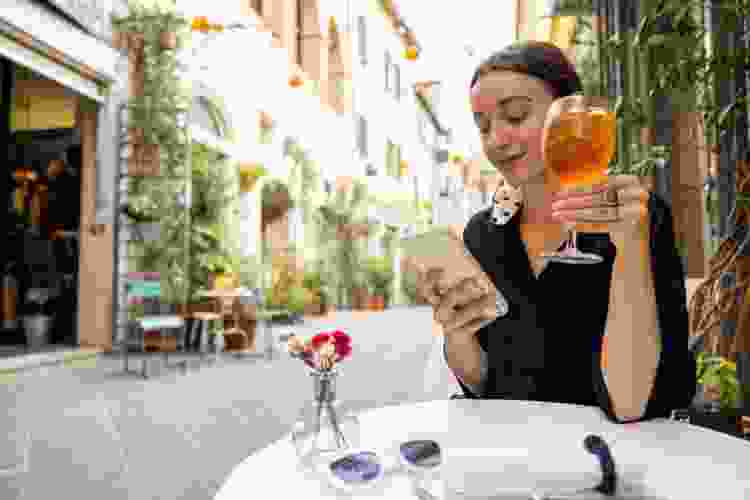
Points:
x=236 y=339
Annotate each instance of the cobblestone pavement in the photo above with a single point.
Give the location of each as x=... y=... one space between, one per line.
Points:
x=93 y=432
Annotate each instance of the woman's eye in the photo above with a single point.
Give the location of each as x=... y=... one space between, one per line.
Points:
x=516 y=120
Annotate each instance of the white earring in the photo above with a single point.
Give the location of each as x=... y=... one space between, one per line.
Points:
x=506 y=201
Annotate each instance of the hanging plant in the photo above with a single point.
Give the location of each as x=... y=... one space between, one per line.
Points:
x=170 y=26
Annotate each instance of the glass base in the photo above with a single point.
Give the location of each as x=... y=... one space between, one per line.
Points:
x=571 y=256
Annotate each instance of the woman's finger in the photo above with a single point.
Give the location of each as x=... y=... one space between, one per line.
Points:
x=427 y=285
x=469 y=328
x=483 y=309
x=457 y=296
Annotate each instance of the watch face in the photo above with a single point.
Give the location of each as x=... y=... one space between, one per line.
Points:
x=421 y=453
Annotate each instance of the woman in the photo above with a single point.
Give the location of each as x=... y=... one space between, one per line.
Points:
x=540 y=338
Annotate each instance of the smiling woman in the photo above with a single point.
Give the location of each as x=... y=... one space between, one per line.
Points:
x=637 y=303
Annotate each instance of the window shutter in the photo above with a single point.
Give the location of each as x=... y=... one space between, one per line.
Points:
x=387 y=71
x=362 y=30
x=362 y=135
x=397 y=81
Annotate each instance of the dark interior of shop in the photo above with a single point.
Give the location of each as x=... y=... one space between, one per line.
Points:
x=42 y=191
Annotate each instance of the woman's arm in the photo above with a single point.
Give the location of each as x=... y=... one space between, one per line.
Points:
x=470 y=389
x=650 y=370
x=632 y=326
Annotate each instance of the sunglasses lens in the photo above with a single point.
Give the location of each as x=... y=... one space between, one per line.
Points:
x=421 y=453
x=361 y=467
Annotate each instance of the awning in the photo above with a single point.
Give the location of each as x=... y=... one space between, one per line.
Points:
x=34 y=37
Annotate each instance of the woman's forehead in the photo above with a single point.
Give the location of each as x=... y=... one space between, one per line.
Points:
x=504 y=83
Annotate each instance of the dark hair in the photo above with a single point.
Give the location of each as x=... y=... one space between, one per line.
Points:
x=540 y=59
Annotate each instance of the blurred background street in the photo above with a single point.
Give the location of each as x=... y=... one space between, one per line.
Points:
x=92 y=432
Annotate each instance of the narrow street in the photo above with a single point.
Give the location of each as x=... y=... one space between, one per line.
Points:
x=92 y=432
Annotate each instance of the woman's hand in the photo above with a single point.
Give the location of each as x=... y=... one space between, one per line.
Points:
x=618 y=207
x=462 y=308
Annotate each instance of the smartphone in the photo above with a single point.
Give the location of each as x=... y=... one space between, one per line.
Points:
x=441 y=248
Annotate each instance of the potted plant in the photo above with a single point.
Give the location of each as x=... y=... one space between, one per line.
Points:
x=297 y=300
x=718 y=378
x=360 y=292
x=170 y=26
x=313 y=282
x=219 y=267
x=142 y=210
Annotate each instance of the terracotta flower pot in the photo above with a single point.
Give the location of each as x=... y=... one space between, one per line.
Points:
x=119 y=40
x=136 y=135
x=380 y=302
x=168 y=40
x=146 y=161
x=136 y=41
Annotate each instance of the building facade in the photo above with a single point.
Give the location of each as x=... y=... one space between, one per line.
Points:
x=62 y=83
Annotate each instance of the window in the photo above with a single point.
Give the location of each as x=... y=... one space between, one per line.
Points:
x=393 y=160
x=300 y=34
x=397 y=162
x=362 y=31
x=361 y=135
x=387 y=71
x=397 y=81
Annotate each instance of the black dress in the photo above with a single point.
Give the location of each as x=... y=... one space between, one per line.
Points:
x=548 y=346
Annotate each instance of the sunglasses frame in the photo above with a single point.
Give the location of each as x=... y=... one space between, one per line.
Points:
x=403 y=463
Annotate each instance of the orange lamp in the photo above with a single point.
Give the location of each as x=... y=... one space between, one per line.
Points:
x=200 y=23
x=295 y=81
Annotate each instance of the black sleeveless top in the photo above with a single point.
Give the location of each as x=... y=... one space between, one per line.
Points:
x=548 y=346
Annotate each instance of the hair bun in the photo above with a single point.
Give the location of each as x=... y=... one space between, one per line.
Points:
x=543 y=60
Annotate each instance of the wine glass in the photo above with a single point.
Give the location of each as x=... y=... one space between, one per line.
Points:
x=577 y=143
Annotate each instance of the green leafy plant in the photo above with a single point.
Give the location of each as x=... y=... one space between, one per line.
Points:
x=716 y=370
x=217 y=264
x=380 y=275
x=298 y=298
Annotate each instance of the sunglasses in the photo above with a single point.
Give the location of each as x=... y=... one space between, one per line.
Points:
x=362 y=469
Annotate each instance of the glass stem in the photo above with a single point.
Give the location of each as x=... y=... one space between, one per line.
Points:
x=572 y=239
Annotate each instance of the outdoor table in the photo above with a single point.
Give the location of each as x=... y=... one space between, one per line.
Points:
x=165 y=324
x=265 y=317
x=486 y=443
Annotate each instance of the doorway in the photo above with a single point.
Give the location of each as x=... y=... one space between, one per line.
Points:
x=43 y=165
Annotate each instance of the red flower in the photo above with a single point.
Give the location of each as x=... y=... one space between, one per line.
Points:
x=343 y=350
x=320 y=339
x=340 y=337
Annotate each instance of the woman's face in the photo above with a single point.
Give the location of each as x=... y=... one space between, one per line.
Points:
x=509 y=109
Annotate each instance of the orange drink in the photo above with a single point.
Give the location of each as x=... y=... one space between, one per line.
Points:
x=580 y=145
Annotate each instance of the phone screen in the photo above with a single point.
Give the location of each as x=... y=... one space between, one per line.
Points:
x=442 y=249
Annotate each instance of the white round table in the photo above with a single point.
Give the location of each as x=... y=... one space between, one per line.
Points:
x=484 y=443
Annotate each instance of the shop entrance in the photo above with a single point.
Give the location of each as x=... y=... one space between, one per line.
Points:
x=42 y=192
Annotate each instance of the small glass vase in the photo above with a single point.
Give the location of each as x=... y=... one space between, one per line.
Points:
x=324 y=427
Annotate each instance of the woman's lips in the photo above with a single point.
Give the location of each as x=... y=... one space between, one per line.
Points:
x=507 y=161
